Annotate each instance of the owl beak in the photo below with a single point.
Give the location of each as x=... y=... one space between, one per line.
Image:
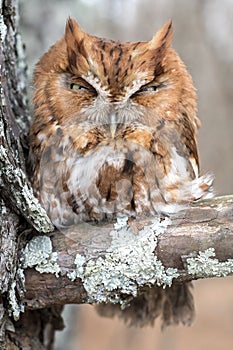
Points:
x=113 y=124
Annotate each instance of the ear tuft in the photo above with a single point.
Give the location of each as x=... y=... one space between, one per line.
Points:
x=75 y=42
x=73 y=31
x=163 y=37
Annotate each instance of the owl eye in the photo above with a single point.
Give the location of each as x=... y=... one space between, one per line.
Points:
x=83 y=87
x=149 y=88
x=78 y=87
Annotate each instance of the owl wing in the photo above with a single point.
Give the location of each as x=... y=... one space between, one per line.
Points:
x=177 y=166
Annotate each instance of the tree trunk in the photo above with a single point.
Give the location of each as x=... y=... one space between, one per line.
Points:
x=34 y=329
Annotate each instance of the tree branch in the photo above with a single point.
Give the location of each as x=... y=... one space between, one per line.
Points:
x=112 y=263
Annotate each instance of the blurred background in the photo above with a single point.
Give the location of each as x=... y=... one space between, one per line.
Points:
x=203 y=31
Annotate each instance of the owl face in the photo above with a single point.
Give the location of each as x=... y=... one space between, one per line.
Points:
x=113 y=83
x=115 y=128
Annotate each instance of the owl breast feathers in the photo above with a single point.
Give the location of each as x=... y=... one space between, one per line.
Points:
x=115 y=129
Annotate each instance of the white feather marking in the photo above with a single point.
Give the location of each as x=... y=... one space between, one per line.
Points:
x=197 y=187
x=169 y=208
x=178 y=164
x=130 y=90
x=101 y=112
x=178 y=171
x=194 y=166
x=96 y=83
x=98 y=111
x=41 y=136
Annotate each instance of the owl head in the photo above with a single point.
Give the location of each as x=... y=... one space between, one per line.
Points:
x=111 y=82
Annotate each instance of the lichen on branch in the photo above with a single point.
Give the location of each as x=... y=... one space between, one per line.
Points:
x=162 y=252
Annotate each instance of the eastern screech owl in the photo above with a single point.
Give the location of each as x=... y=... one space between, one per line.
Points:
x=115 y=133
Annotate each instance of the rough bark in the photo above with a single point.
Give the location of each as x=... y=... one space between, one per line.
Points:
x=18 y=206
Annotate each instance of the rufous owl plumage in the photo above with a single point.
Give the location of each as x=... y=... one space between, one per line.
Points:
x=115 y=132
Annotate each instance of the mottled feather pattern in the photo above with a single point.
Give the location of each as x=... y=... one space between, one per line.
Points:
x=115 y=129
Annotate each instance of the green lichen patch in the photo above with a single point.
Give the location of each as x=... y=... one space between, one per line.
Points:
x=206 y=265
x=129 y=263
x=39 y=253
x=22 y=193
x=15 y=296
x=3 y=28
x=15 y=306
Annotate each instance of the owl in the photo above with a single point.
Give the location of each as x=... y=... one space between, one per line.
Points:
x=115 y=133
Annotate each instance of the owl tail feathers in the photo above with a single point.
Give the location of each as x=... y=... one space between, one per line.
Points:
x=175 y=305
x=202 y=187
